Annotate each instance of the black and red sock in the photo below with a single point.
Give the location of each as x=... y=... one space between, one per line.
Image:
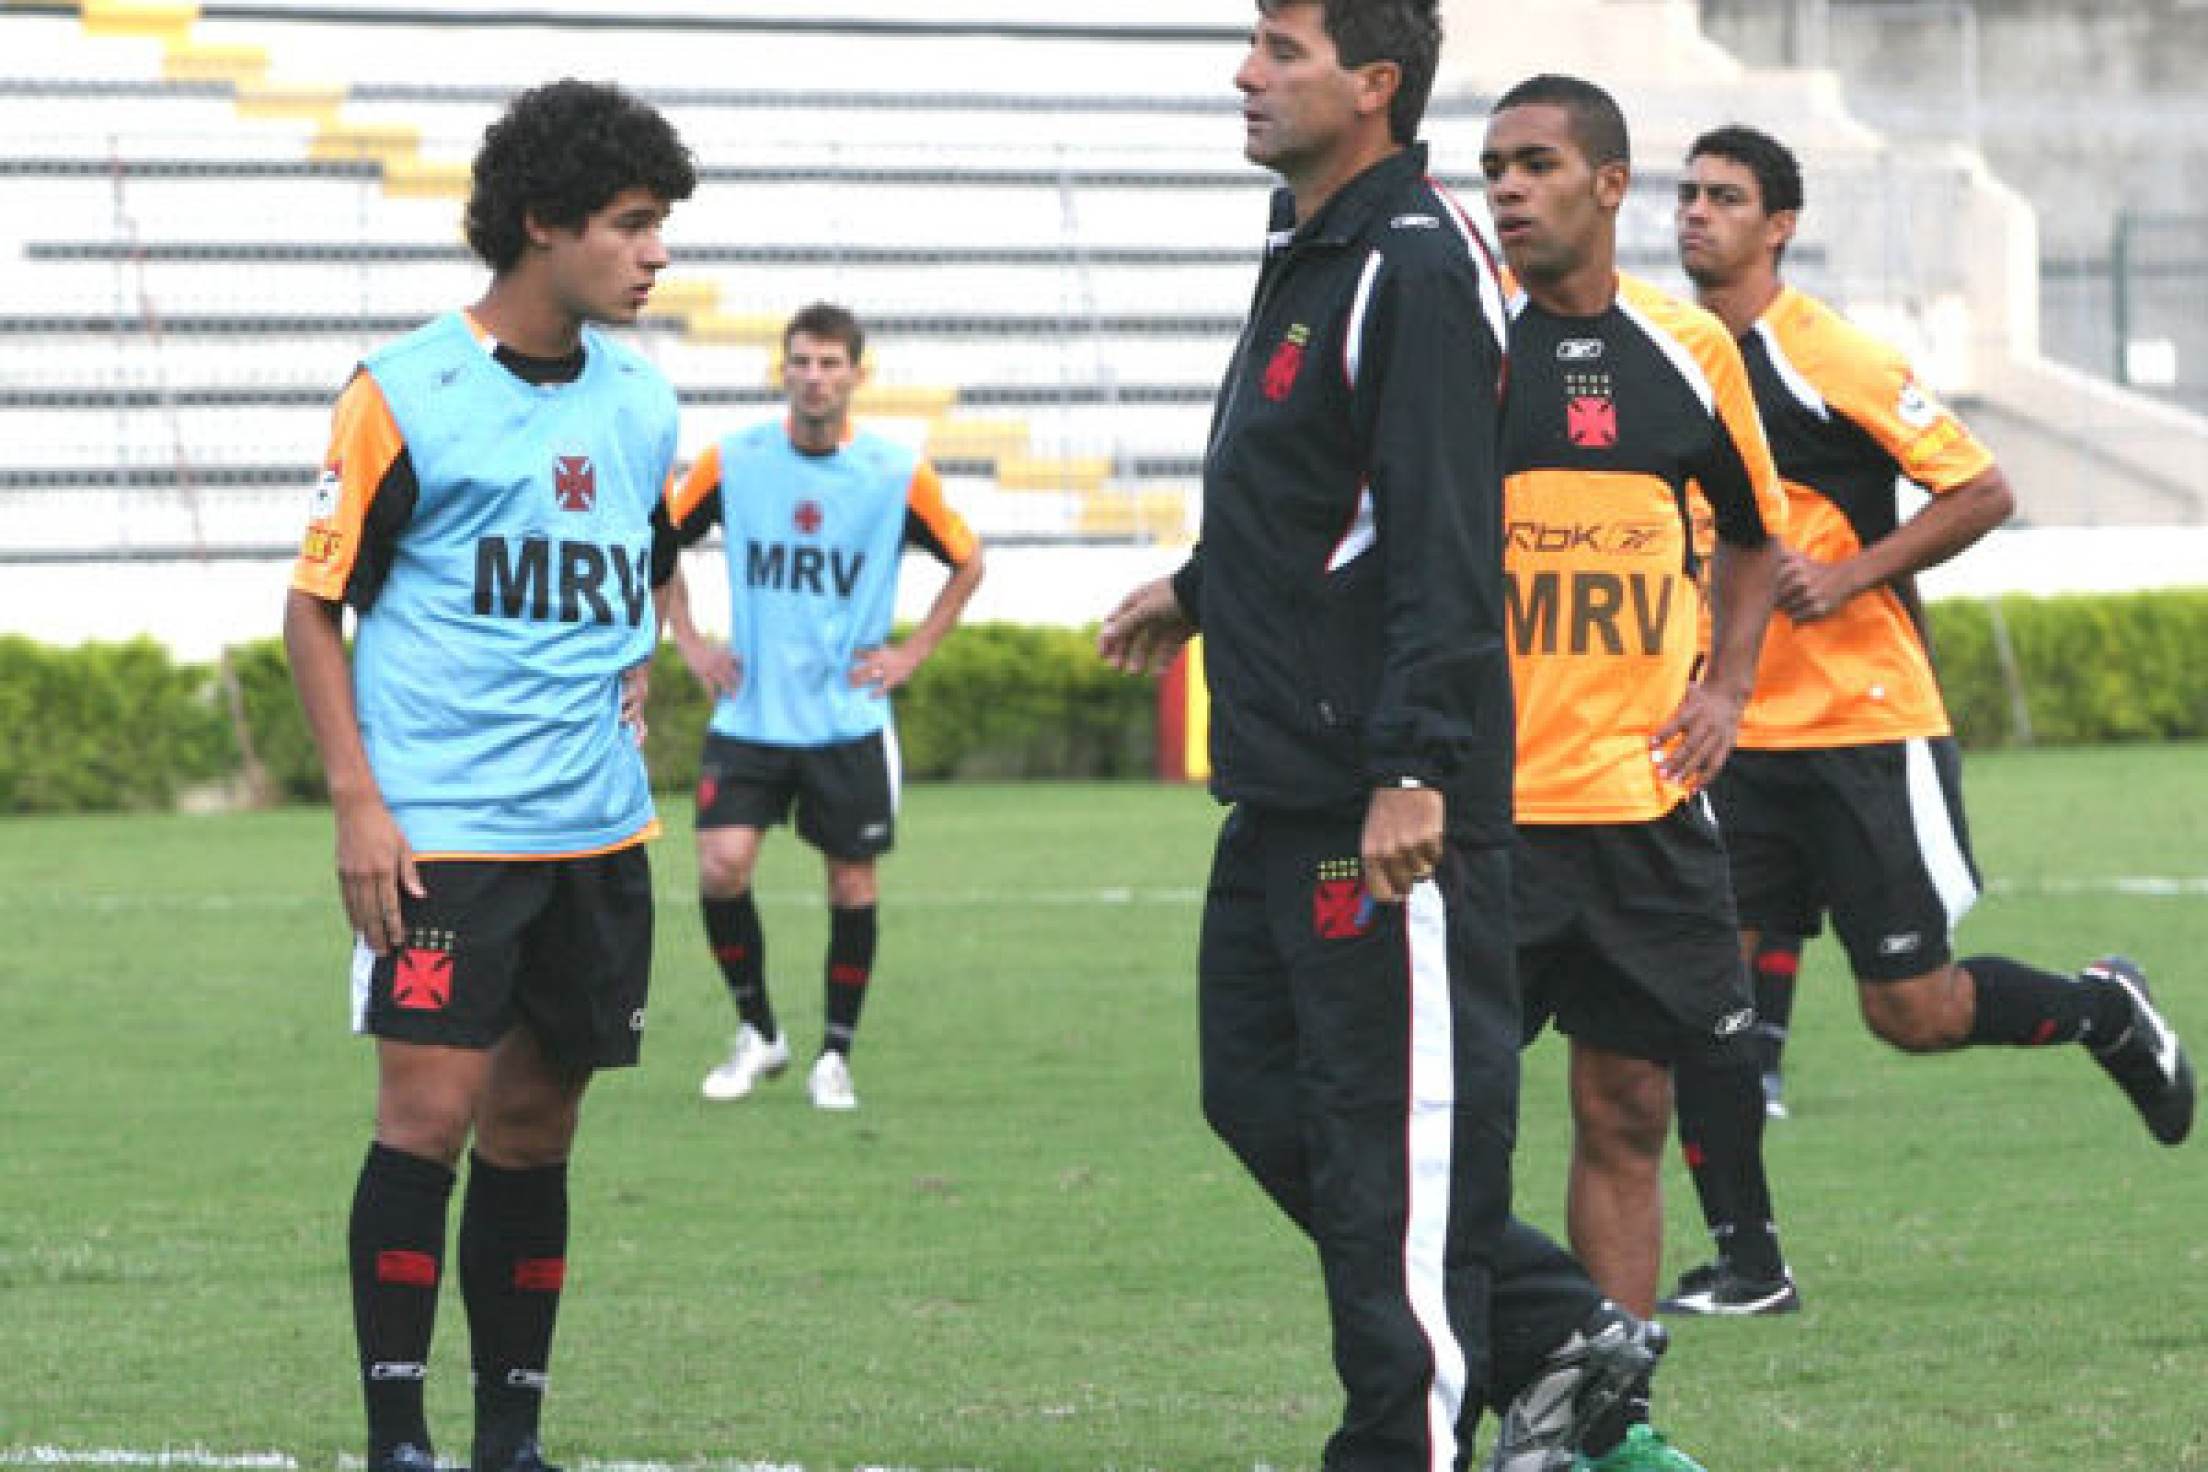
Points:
x=1721 y=1122
x=740 y=945
x=2020 y=1006
x=850 y=965
x=513 y=1264
x=397 y=1249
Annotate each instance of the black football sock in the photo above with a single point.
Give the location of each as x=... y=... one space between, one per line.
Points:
x=1777 y=962
x=1721 y=1135
x=397 y=1248
x=740 y=945
x=851 y=935
x=513 y=1263
x=2022 y=1007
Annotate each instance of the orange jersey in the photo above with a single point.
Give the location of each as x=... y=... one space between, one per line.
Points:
x=1847 y=418
x=1617 y=428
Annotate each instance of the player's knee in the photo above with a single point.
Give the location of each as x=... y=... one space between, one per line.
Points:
x=1624 y=1118
x=1916 y=1016
x=424 y=1128
x=723 y=874
x=852 y=886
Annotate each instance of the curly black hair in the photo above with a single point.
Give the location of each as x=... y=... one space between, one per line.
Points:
x=560 y=152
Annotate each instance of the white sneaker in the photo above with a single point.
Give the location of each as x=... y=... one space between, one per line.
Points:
x=752 y=1059
x=830 y=1085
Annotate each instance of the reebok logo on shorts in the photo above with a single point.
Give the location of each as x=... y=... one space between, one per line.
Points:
x=1733 y=1024
x=1901 y=944
x=1341 y=907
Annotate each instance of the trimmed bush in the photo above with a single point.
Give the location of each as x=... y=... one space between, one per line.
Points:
x=121 y=726
x=105 y=726
x=2093 y=668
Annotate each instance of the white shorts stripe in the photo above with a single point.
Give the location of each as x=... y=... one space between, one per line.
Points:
x=1428 y=1149
x=1937 y=842
x=894 y=760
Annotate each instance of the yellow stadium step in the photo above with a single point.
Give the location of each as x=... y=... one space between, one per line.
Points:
x=161 y=19
x=903 y=400
x=736 y=329
x=313 y=101
x=337 y=141
x=1037 y=473
x=407 y=177
x=205 y=61
x=684 y=296
x=1155 y=513
x=977 y=439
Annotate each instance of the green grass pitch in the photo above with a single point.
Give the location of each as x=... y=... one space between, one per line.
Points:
x=1025 y=1252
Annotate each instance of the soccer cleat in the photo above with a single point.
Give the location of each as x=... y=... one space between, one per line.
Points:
x=2147 y=1062
x=525 y=1457
x=1582 y=1379
x=752 y=1059
x=405 y=1457
x=1714 y=1290
x=830 y=1084
x=1643 y=1450
x=1774 y=1105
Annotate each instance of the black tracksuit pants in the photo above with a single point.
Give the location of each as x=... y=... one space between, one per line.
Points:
x=1362 y=1061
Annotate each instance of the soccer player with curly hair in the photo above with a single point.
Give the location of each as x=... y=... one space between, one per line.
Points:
x=492 y=508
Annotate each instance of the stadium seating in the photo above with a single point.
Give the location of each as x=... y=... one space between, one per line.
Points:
x=1045 y=222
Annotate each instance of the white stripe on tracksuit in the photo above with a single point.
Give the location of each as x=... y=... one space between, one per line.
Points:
x=1428 y=1146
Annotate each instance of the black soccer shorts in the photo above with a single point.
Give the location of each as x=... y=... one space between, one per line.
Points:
x=563 y=946
x=1627 y=937
x=1875 y=834
x=845 y=794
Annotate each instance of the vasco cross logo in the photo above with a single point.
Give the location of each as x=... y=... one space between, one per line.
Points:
x=1341 y=907
x=574 y=482
x=1287 y=362
x=807 y=517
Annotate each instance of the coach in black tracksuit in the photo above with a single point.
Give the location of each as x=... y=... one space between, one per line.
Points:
x=1359 y=1016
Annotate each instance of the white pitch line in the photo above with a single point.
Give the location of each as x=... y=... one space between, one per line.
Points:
x=114 y=904
x=197 y=1459
x=2130 y=886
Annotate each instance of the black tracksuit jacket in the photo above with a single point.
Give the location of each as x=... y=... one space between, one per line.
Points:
x=1348 y=582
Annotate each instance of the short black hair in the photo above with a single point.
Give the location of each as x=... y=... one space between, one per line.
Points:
x=1598 y=127
x=829 y=323
x=1778 y=173
x=560 y=152
x=1406 y=32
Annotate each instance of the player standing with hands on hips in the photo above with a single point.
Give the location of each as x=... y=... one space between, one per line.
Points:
x=816 y=516
x=492 y=510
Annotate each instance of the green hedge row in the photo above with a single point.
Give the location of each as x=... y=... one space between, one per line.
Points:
x=124 y=726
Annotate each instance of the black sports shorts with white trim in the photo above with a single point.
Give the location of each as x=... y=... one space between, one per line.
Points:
x=1627 y=937
x=845 y=794
x=1875 y=834
x=563 y=946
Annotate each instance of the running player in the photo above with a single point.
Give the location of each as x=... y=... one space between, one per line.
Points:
x=1845 y=794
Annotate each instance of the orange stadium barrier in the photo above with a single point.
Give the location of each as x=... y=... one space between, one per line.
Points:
x=1184 y=719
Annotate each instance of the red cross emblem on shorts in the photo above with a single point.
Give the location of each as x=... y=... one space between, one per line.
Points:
x=1341 y=909
x=574 y=482
x=807 y=517
x=1592 y=423
x=424 y=980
